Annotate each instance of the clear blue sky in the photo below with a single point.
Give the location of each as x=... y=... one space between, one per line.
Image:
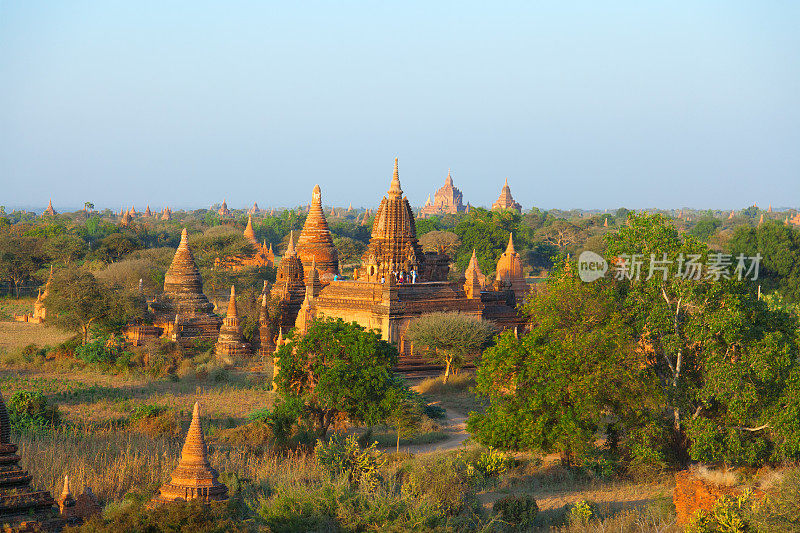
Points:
x=580 y=104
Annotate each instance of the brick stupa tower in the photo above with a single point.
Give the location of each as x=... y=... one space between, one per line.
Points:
x=506 y=201
x=231 y=340
x=22 y=508
x=289 y=287
x=448 y=199
x=475 y=281
x=193 y=478
x=183 y=297
x=509 y=272
x=316 y=243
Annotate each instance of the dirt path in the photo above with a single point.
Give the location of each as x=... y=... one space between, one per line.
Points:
x=455 y=425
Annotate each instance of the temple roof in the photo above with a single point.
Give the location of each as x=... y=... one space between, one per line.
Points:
x=509 y=266
x=249 y=233
x=506 y=201
x=183 y=284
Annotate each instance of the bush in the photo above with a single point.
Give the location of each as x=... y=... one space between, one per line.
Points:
x=728 y=515
x=582 y=512
x=96 y=352
x=492 y=463
x=518 y=511
x=154 y=420
x=343 y=456
x=30 y=411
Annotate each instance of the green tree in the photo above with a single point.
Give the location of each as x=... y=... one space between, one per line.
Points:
x=450 y=338
x=78 y=301
x=19 y=259
x=116 y=246
x=339 y=372
x=779 y=245
x=65 y=248
x=405 y=416
x=551 y=389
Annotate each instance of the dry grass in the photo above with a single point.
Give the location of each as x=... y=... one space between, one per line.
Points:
x=455 y=395
x=16 y=335
x=114 y=463
x=95 y=398
x=9 y=307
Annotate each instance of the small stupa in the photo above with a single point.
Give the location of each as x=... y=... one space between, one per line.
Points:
x=249 y=232
x=147 y=212
x=254 y=210
x=22 y=508
x=193 y=478
x=474 y=278
x=231 y=340
x=166 y=214
x=126 y=219
x=223 y=211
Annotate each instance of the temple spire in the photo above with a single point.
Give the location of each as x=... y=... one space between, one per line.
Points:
x=249 y=233
x=290 y=248
x=510 y=247
x=394 y=188
x=449 y=180
x=232 y=304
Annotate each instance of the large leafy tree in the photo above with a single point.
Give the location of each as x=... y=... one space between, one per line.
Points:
x=78 y=301
x=723 y=360
x=20 y=257
x=338 y=372
x=450 y=338
x=552 y=389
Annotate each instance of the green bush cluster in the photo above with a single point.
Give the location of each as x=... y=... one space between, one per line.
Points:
x=519 y=512
x=342 y=455
x=29 y=410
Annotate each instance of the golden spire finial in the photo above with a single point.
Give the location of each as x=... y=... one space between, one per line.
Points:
x=394 y=188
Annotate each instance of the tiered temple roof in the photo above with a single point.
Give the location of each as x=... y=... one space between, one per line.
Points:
x=254 y=210
x=315 y=242
x=393 y=246
x=21 y=507
x=183 y=297
x=231 y=340
x=193 y=478
x=448 y=199
x=506 y=201
x=166 y=214
x=474 y=278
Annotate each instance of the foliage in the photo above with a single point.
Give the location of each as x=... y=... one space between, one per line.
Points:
x=338 y=371
x=342 y=456
x=29 y=410
x=450 y=337
x=492 y=463
x=78 y=301
x=548 y=388
x=728 y=515
x=193 y=516
x=517 y=511
x=705 y=228
x=582 y=512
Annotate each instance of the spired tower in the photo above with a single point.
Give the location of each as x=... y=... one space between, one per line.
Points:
x=393 y=246
x=193 y=478
x=21 y=507
x=506 y=201
x=183 y=303
x=231 y=340
x=315 y=242
x=289 y=287
x=509 y=272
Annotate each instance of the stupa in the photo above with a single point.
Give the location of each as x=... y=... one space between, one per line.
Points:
x=266 y=342
x=473 y=267
x=50 y=211
x=447 y=199
x=193 y=478
x=316 y=243
x=126 y=219
x=262 y=254
x=39 y=308
x=509 y=271
x=254 y=210
x=147 y=212
x=506 y=201
x=22 y=508
x=223 y=211
x=166 y=214
x=183 y=296
x=231 y=341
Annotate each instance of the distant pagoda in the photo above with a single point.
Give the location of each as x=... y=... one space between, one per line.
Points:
x=509 y=272
x=50 y=211
x=506 y=201
x=193 y=478
x=22 y=508
x=447 y=200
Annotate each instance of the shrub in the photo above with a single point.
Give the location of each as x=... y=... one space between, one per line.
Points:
x=30 y=411
x=154 y=420
x=492 y=463
x=728 y=515
x=96 y=352
x=517 y=511
x=582 y=512
x=343 y=456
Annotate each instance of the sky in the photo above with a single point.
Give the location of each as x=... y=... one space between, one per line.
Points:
x=592 y=105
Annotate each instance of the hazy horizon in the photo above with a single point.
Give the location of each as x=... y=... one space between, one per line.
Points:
x=581 y=106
